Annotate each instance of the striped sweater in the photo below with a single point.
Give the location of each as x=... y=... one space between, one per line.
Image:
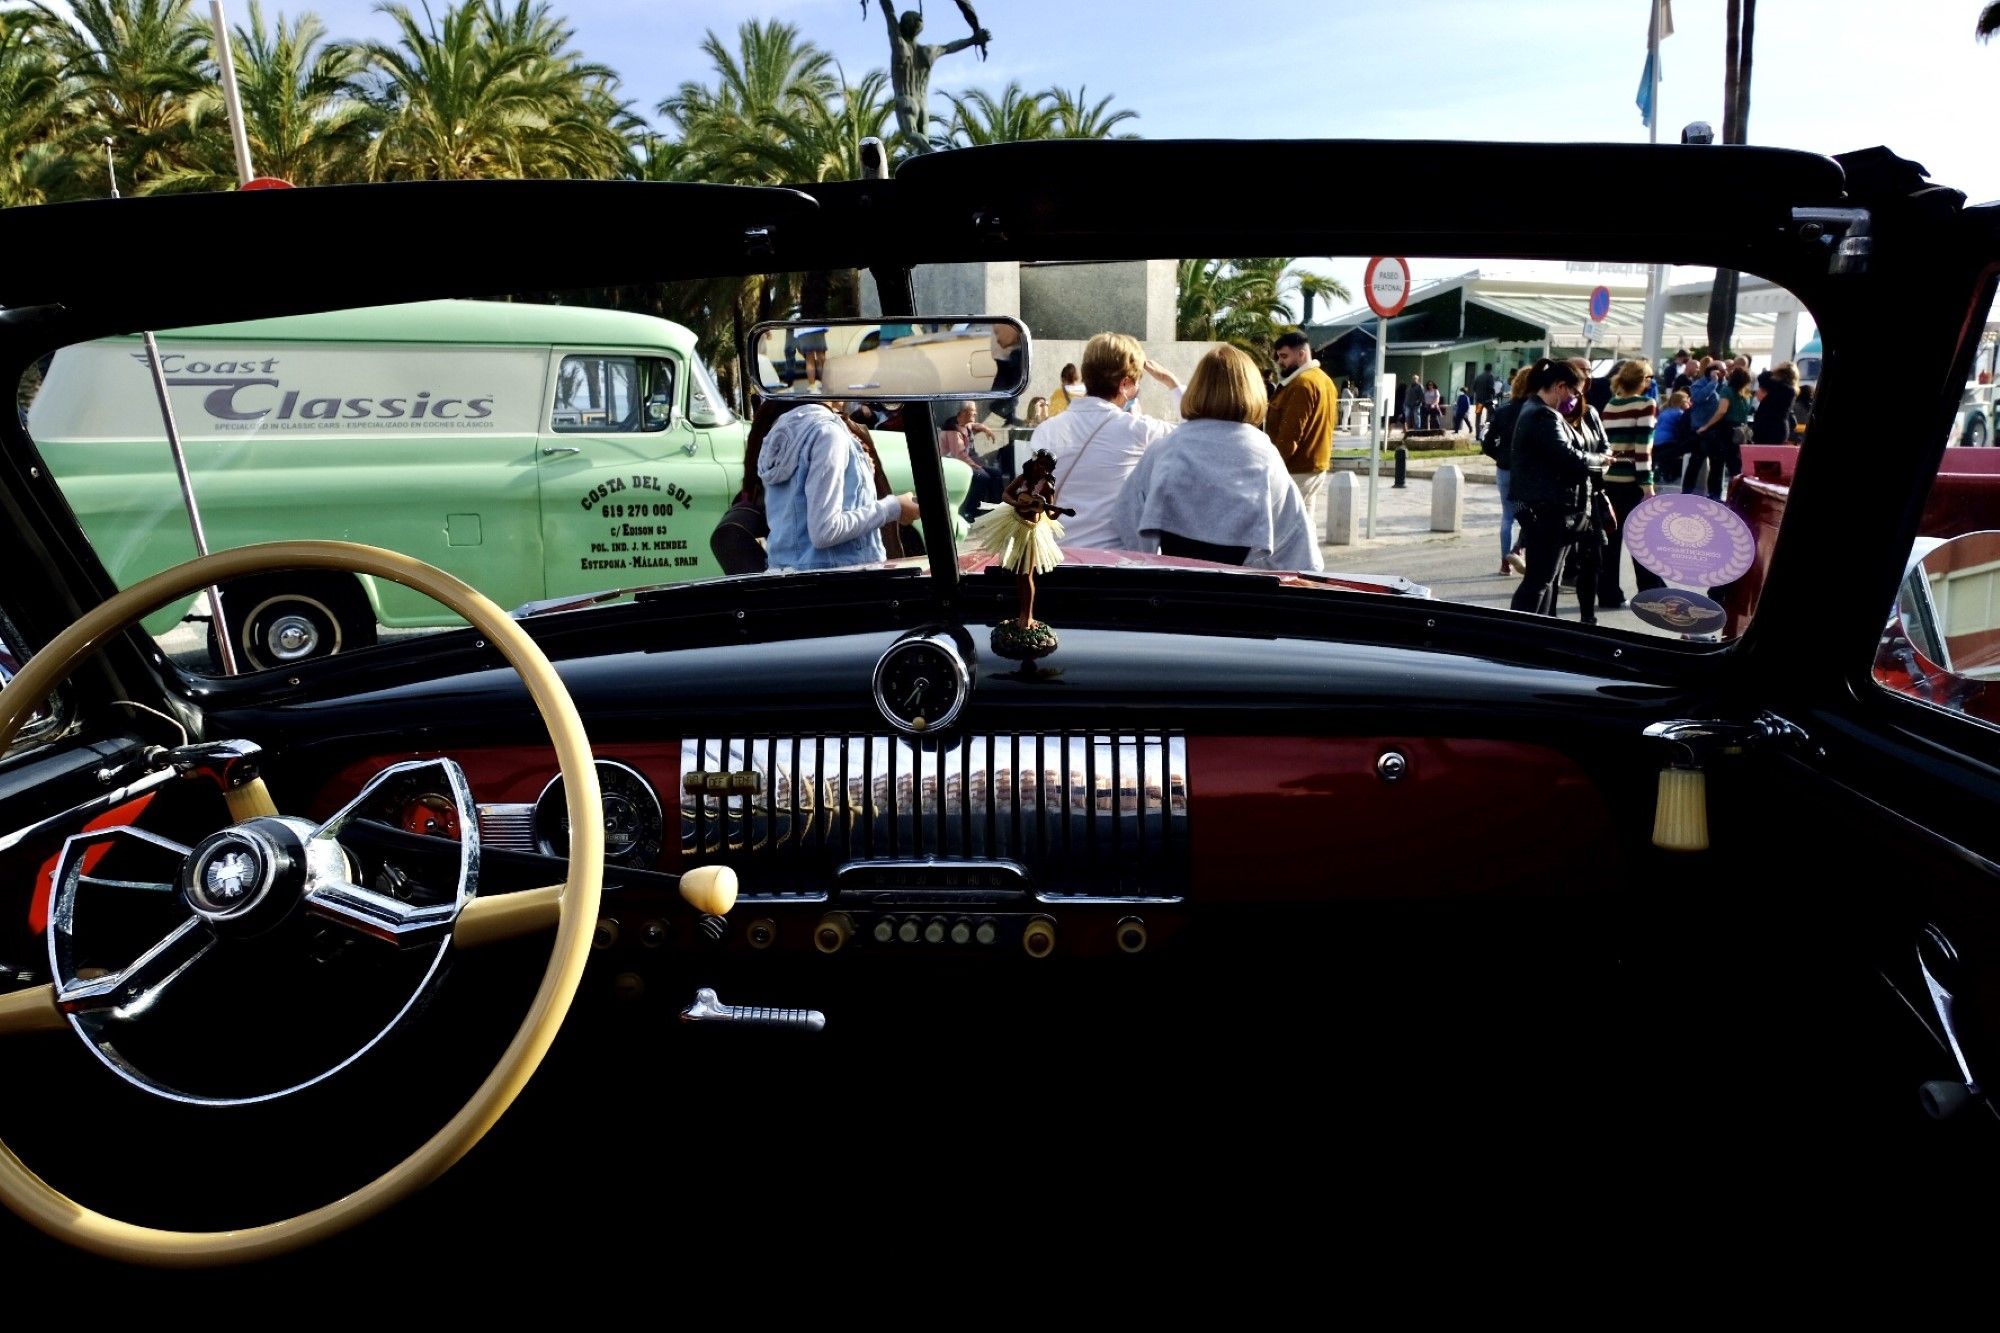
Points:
x=1628 y=424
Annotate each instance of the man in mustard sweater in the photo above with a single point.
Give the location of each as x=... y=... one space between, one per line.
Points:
x=1302 y=417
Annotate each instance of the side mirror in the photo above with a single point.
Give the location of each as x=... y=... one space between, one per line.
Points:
x=984 y=358
x=1942 y=643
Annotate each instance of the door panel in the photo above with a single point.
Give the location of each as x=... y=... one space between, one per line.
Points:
x=630 y=491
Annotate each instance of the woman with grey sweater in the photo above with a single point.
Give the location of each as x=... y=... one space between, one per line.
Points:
x=1215 y=488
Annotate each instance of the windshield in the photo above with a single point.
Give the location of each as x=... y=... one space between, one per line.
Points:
x=1499 y=440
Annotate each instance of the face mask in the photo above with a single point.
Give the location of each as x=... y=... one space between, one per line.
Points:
x=1568 y=407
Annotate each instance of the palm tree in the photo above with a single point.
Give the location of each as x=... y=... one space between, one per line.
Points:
x=1072 y=119
x=490 y=92
x=303 y=109
x=37 y=112
x=728 y=128
x=821 y=140
x=978 y=118
x=1243 y=302
x=138 y=66
x=1739 y=41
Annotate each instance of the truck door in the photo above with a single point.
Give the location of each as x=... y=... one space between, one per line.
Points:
x=630 y=491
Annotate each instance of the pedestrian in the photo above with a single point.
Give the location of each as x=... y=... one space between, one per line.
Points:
x=1709 y=413
x=1498 y=444
x=1742 y=404
x=1461 y=413
x=1097 y=443
x=1216 y=489
x=738 y=539
x=1551 y=478
x=1301 y=418
x=1413 y=406
x=1629 y=423
x=1773 y=421
x=1068 y=392
x=1433 y=407
x=819 y=493
x=955 y=441
x=1584 y=565
x=1671 y=438
x=1486 y=388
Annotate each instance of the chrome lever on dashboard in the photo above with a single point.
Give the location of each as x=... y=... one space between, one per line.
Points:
x=707 y=1009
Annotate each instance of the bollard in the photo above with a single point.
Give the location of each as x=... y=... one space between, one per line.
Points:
x=1342 y=496
x=1448 y=498
x=1402 y=466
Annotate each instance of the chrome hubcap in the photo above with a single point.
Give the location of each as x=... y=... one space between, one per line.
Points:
x=292 y=637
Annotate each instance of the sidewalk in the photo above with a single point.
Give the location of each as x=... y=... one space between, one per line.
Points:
x=1405 y=515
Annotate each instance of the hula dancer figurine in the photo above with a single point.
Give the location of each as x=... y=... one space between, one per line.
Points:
x=1022 y=532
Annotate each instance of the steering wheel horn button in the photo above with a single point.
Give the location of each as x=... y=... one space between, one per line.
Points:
x=247 y=875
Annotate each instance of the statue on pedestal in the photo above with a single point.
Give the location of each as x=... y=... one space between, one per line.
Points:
x=910 y=66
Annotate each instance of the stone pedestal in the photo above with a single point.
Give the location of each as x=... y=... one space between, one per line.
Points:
x=1342 y=506
x=1448 y=498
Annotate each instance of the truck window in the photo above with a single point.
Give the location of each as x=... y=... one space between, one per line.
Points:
x=613 y=394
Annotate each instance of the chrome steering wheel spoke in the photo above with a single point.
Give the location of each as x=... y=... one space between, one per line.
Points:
x=402 y=919
x=129 y=993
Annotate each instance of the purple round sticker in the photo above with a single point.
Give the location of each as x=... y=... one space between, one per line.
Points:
x=1690 y=539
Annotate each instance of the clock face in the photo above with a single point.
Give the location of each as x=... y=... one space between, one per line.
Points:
x=921 y=684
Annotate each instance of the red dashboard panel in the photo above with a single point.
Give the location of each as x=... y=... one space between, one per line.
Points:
x=1311 y=819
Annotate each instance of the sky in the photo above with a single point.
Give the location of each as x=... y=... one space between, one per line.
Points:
x=1829 y=75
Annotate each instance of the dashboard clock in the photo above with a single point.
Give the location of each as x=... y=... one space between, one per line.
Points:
x=922 y=683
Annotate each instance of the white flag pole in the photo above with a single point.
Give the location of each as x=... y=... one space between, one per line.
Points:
x=237 y=135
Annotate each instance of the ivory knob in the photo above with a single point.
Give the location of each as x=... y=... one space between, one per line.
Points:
x=710 y=890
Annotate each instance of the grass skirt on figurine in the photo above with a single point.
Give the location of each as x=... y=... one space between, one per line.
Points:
x=1019 y=543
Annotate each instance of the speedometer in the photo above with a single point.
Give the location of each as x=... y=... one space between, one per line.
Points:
x=634 y=824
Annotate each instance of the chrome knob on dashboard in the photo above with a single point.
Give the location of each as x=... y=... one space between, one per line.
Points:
x=832 y=932
x=1039 y=938
x=763 y=933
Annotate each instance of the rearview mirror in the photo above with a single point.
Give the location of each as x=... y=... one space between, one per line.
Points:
x=980 y=357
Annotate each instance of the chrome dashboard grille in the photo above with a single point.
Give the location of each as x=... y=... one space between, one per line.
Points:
x=1087 y=814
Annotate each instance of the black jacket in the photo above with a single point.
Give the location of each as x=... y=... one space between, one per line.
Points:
x=1551 y=465
x=1499 y=442
x=1773 y=422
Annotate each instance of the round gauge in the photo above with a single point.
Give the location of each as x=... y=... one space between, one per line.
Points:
x=429 y=814
x=634 y=824
x=921 y=683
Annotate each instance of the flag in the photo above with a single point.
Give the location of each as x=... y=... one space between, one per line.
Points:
x=1659 y=24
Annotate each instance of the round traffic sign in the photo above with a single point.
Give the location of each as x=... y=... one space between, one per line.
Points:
x=1600 y=304
x=265 y=183
x=1387 y=285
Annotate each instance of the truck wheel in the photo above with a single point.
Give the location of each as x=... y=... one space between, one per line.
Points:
x=278 y=622
x=1975 y=431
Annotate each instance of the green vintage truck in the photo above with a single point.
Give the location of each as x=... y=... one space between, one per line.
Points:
x=535 y=451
